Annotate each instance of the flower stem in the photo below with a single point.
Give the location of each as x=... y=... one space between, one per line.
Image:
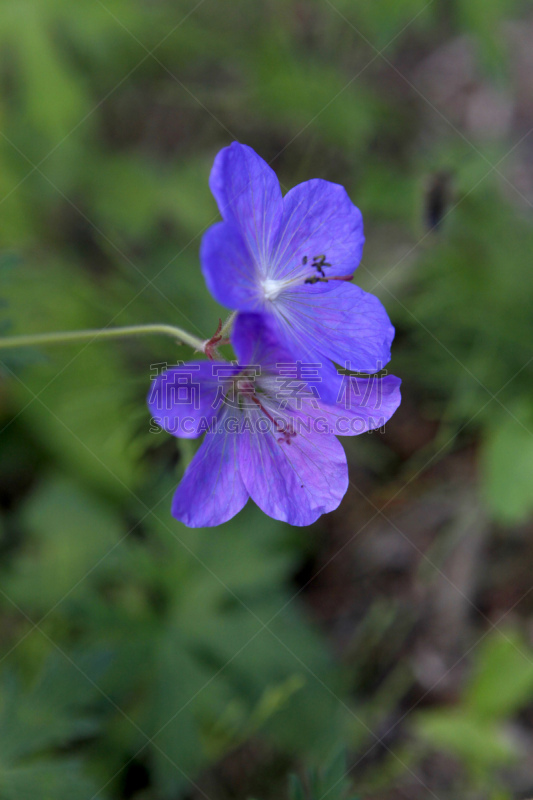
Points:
x=228 y=325
x=63 y=337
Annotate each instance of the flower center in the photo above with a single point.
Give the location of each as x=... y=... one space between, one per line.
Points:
x=304 y=273
x=272 y=288
x=247 y=389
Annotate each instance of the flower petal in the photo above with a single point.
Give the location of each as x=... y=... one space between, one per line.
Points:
x=345 y=325
x=255 y=339
x=212 y=490
x=248 y=194
x=363 y=404
x=228 y=267
x=318 y=219
x=294 y=482
x=183 y=400
x=256 y=342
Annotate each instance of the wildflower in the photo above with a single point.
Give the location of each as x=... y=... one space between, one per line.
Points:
x=292 y=257
x=265 y=439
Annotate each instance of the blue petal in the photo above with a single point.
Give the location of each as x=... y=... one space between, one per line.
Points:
x=349 y=324
x=345 y=325
x=248 y=194
x=255 y=339
x=318 y=219
x=212 y=490
x=183 y=400
x=296 y=482
x=228 y=267
x=363 y=404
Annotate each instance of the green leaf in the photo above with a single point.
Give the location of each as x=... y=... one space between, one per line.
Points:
x=480 y=745
x=503 y=680
x=69 y=536
x=474 y=731
x=507 y=466
x=60 y=779
x=486 y=21
x=35 y=720
x=208 y=672
x=298 y=92
x=84 y=413
x=296 y=788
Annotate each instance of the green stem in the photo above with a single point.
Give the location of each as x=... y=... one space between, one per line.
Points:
x=62 y=337
x=228 y=325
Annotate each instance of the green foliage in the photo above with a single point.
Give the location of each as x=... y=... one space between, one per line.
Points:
x=507 y=461
x=470 y=326
x=331 y=781
x=502 y=682
x=82 y=422
x=204 y=646
x=476 y=730
x=292 y=89
x=379 y=24
x=35 y=721
x=486 y=22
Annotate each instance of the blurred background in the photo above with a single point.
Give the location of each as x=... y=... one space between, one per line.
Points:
x=387 y=651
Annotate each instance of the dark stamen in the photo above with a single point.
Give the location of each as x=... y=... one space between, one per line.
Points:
x=316 y=279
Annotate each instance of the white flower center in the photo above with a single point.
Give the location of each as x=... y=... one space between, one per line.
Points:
x=272 y=288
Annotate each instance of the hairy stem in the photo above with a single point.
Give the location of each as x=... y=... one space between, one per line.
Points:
x=63 y=337
x=228 y=325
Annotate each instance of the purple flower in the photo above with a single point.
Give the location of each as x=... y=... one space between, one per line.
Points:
x=268 y=436
x=292 y=257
